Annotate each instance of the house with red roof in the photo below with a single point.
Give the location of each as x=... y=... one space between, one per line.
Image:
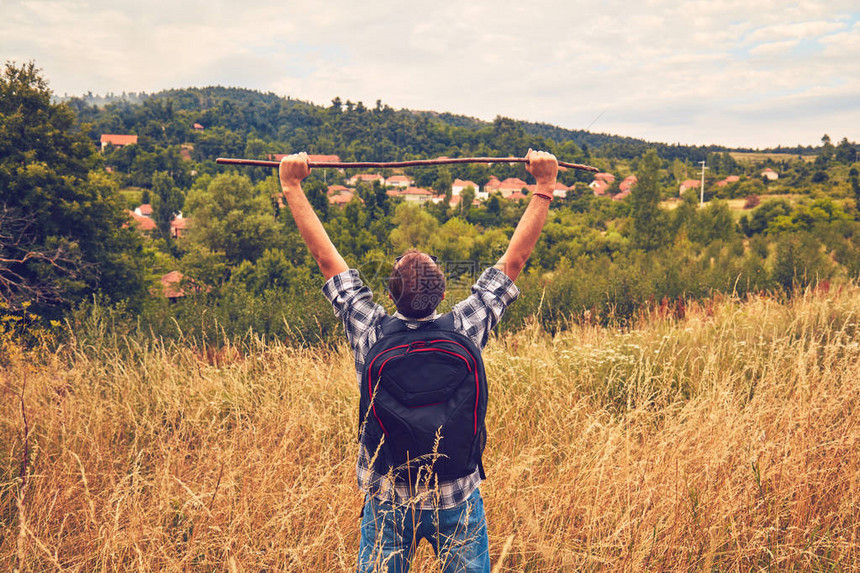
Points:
x=324 y=158
x=515 y=196
x=560 y=190
x=688 y=184
x=174 y=285
x=170 y=285
x=117 y=140
x=142 y=223
x=179 y=226
x=341 y=198
x=511 y=185
x=144 y=210
x=459 y=186
x=456 y=200
x=185 y=151
x=416 y=194
x=492 y=185
x=770 y=174
x=335 y=189
x=599 y=186
x=607 y=177
x=628 y=184
x=728 y=180
x=401 y=181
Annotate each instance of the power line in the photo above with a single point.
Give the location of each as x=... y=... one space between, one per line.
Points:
x=596 y=118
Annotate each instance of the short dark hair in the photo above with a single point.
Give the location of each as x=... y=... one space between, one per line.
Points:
x=416 y=284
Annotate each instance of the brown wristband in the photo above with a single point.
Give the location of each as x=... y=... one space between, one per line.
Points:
x=544 y=195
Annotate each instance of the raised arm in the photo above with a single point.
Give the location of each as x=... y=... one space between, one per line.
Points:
x=544 y=167
x=292 y=170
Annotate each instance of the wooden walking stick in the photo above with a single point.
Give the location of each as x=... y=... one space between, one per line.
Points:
x=397 y=164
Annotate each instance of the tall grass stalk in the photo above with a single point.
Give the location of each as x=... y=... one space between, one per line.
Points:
x=725 y=441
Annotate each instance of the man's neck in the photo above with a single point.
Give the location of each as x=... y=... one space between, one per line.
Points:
x=432 y=316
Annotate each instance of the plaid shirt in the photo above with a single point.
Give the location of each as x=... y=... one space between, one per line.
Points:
x=475 y=317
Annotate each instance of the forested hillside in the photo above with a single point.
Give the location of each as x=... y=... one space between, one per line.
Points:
x=211 y=253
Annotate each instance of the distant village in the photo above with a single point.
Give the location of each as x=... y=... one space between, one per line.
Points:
x=511 y=189
x=402 y=186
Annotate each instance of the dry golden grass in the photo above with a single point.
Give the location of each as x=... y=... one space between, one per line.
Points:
x=726 y=441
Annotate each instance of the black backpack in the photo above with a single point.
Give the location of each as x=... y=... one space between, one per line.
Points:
x=418 y=383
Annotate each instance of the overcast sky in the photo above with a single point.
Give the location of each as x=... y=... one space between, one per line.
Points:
x=732 y=72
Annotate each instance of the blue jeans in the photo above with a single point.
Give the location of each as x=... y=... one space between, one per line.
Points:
x=390 y=535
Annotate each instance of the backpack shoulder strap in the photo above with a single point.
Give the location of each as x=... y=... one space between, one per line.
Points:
x=390 y=325
x=445 y=322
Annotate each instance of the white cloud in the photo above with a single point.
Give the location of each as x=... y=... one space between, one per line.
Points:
x=669 y=70
x=773 y=48
x=843 y=45
x=795 y=31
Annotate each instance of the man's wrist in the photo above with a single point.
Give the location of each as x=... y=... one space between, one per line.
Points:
x=544 y=190
x=291 y=187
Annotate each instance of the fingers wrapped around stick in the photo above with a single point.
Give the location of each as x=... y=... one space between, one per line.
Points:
x=293 y=168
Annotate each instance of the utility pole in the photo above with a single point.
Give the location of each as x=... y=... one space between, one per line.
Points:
x=702 y=163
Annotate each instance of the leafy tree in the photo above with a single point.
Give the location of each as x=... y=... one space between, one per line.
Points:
x=317 y=194
x=233 y=217
x=763 y=215
x=683 y=218
x=722 y=164
x=204 y=265
x=219 y=142
x=273 y=270
x=454 y=241
x=494 y=205
x=820 y=176
x=376 y=200
x=846 y=152
x=255 y=148
x=807 y=217
x=414 y=228
x=713 y=223
x=170 y=201
x=351 y=232
x=828 y=151
x=509 y=137
x=467 y=197
x=64 y=231
x=649 y=225
x=854 y=179
x=443 y=181
x=799 y=261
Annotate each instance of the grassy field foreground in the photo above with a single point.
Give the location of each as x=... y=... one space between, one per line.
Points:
x=724 y=441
